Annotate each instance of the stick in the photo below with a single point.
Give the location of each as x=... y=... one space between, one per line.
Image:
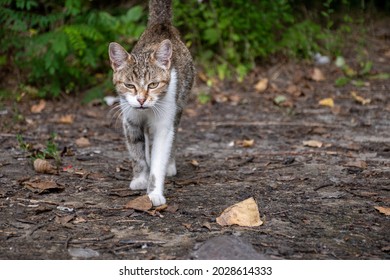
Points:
x=268 y=123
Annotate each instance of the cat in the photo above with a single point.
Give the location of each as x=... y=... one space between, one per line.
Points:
x=153 y=83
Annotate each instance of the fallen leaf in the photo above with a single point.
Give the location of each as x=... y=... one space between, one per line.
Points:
x=187 y=225
x=261 y=85
x=383 y=210
x=206 y=225
x=220 y=98
x=83 y=142
x=244 y=213
x=79 y=220
x=279 y=99
x=195 y=163
x=38 y=108
x=64 y=219
x=43 y=186
x=313 y=143
x=294 y=90
x=43 y=166
x=172 y=208
x=161 y=207
x=358 y=163
x=327 y=102
x=358 y=98
x=141 y=203
x=245 y=143
x=66 y=119
x=235 y=99
x=202 y=76
x=317 y=75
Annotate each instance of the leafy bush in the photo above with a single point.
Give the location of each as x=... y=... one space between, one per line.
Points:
x=229 y=38
x=62 y=45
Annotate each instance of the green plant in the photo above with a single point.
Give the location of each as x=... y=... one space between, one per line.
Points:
x=228 y=38
x=50 y=151
x=61 y=46
x=359 y=74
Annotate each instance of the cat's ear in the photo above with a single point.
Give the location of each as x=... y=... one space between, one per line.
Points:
x=163 y=54
x=118 y=56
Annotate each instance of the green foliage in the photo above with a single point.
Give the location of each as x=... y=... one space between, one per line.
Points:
x=357 y=76
x=229 y=38
x=62 y=45
x=50 y=151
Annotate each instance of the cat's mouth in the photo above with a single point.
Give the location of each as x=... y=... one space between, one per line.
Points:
x=141 y=108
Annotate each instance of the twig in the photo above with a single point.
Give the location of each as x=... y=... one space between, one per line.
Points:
x=141 y=241
x=37 y=201
x=268 y=123
x=34 y=229
x=67 y=242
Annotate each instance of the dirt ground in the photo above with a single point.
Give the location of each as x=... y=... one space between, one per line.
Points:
x=318 y=200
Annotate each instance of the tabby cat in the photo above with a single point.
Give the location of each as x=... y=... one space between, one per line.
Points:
x=153 y=83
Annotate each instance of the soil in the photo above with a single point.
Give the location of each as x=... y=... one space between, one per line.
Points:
x=318 y=200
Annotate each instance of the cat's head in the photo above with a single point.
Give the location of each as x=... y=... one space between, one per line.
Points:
x=141 y=79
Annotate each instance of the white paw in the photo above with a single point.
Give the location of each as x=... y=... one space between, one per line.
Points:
x=171 y=169
x=139 y=183
x=157 y=199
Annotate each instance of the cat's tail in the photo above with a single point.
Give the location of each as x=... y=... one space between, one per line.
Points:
x=160 y=12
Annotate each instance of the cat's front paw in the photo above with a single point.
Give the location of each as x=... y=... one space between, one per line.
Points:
x=139 y=183
x=157 y=199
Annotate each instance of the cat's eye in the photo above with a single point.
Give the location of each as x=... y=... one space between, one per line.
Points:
x=130 y=86
x=153 y=85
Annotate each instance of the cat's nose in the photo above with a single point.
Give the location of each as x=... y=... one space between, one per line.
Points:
x=141 y=100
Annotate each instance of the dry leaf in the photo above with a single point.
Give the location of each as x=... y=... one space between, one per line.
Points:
x=66 y=119
x=313 y=143
x=327 y=102
x=294 y=90
x=43 y=166
x=383 y=210
x=37 y=108
x=358 y=163
x=64 y=219
x=79 y=220
x=141 y=203
x=202 y=76
x=245 y=143
x=360 y=99
x=161 y=207
x=83 y=142
x=206 y=225
x=317 y=75
x=244 y=213
x=220 y=98
x=195 y=163
x=172 y=208
x=42 y=186
x=261 y=85
x=235 y=99
x=187 y=225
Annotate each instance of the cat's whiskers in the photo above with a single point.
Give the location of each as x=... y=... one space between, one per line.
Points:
x=114 y=115
x=159 y=109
